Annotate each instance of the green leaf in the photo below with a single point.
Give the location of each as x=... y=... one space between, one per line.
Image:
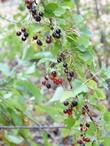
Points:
x=14 y=139
x=50 y=8
x=4 y=69
x=99 y=94
x=92 y=84
x=107 y=116
x=69 y=122
x=58 y=94
x=66 y=95
x=79 y=87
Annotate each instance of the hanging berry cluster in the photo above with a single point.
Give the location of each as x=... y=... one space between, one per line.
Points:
x=52 y=79
x=84 y=126
x=23 y=33
x=70 y=106
x=31 y=6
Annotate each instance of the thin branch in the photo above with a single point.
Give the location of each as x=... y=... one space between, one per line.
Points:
x=32 y=127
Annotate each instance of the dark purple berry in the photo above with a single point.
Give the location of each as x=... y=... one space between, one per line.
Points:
x=87 y=125
x=71 y=74
x=74 y=103
x=48 y=86
x=39 y=42
x=23 y=29
x=66 y=103
x=59 y=60
x=35 y=37
x=65 y=65
x=23 y=38
x=41 y=14
x=58 y=31
x=26 y=34
x=48 y=39
x=38 y=18
x=18 y=33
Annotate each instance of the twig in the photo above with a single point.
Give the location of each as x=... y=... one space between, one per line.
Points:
x=31 y=127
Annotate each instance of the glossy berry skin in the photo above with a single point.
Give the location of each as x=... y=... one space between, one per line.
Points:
x=71 y=74
x=41 y=14
x=35 y=37
x=44 y=83
x=59 y=60
x=48 y=86
x=86 y=139
x=18 y=33
x=87 y=125
x=80 y=142
x=65 y=65
x=23 y=38
x=39 y=42
x=56 y=35
x=38 y=18
x=23 y=29
x=54 y=73
x=74 y=103
x=26 y=34
x=58 y=31
x=65 y=111
x=66 y=103
x=28 y=1
x=101 y=145
x=48 y=39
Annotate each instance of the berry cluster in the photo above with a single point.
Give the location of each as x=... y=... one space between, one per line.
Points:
x=52 y=79
x=23 y=33
x=70 y=108
x=84 y=127
x=69 y=73
x=38 y=41
x=31 y=5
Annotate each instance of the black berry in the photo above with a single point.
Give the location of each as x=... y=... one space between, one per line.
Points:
x=39 y=42
x=66 y=103
x=87 y=125
x=48 y=39
x=59 y=60
x=65 y=65
x=23 y=29
x=41 y=14
x=26 y=34
x=23 y=38
x=58 y=31
x=35 y=37
x=71 y=74
x=56 y=35
x=38 y=18
x=18 y=33
x=48 y=86
x=74 y=103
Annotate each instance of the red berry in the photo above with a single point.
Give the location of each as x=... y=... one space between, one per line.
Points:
x=86 y=139
x=53 y=73
x=80 y=141
x=81 y=125
x=65 y=111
